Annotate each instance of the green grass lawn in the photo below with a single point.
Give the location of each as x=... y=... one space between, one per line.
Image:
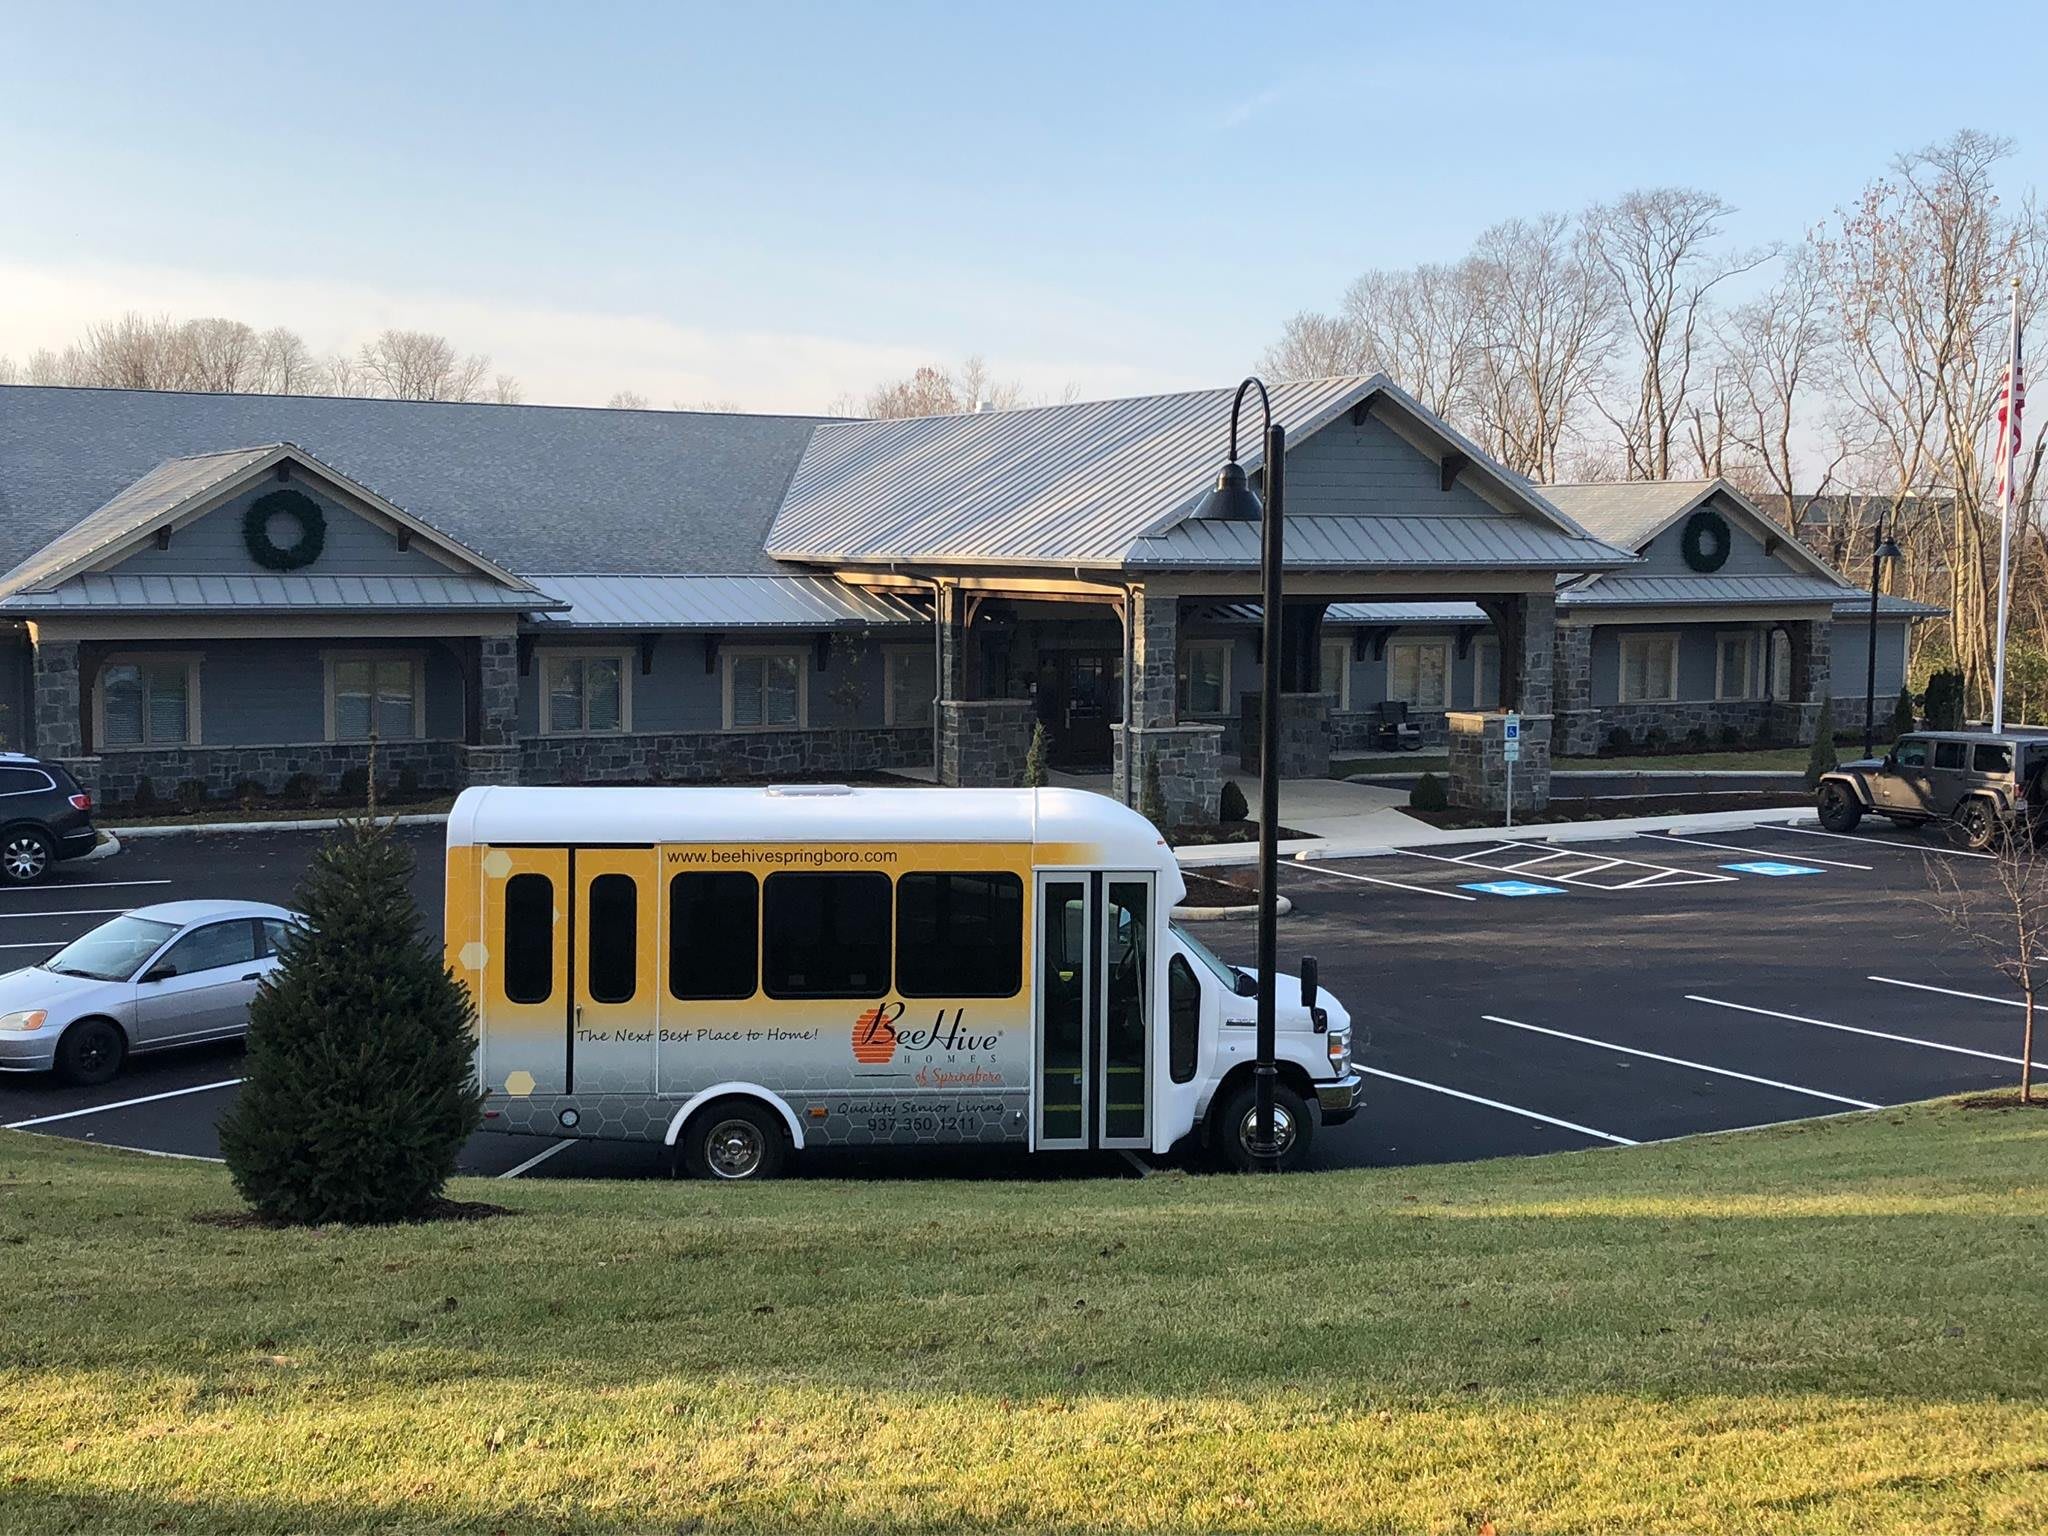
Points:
x=1831 y=1327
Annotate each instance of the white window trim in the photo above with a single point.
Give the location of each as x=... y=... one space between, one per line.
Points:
x=893 y=656
x=1225 y=648
x=1748 y=679
x=1634 y=641
x=417 y=660
x=190 y=659
x=1341 y=694
x=1481 y=645
x=802 y=655
x=1441 y=646
x=545 y=662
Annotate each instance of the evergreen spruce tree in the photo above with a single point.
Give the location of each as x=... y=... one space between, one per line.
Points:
x=1036 y=775
x=1821 y=759
x=1903 y=720
x=361 y=1088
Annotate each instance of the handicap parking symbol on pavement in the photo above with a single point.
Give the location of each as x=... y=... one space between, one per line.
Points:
x=1771 y=867
x=1515 y=888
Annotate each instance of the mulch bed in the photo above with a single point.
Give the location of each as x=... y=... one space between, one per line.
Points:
x=438 y=1210
x=1615 y=807
x=1224 y=832
x=1205 y=892
x=2009 y=1100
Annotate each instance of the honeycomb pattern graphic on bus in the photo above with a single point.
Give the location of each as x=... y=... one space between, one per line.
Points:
x=990 y=1119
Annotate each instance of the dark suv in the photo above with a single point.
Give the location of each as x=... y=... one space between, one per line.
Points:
x=1976 y=781
x=44 y=818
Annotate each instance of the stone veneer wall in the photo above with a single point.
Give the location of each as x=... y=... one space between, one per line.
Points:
x=1478 y=762
x=1190 y=759
x=983 y=742
x=1304 y=735
x=1358 y=730
x=219 y=773
x=698 y=757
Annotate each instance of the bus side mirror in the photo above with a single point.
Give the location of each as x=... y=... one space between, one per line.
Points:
x=1308 y=981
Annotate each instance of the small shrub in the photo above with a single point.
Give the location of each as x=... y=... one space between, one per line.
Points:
x=1731 y=737
x=355 y=784
x=1036 y=773
x=300 y=788
x=192 y=794
x=1821 y=759
x=1656 y=739
x=144 y=798
x=1619 y=742
x=1943 y=703
x=1697 y=739
x=1152 y=798
x=409 y=782
x=1903 y=720
x=248 y=794
x=1428 y=794
x=1233 y=807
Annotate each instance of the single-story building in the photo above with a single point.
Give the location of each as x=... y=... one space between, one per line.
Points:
x=213 y=595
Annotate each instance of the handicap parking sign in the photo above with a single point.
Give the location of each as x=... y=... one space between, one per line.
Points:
x=1771 y=867
x=1514 y=888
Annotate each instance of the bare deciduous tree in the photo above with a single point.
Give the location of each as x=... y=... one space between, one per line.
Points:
x=1776 y=348
x=628 y=400
x=288 y=366
x=420 y=365
x=2004 y=917
x=936 y=391
x=1314 y=346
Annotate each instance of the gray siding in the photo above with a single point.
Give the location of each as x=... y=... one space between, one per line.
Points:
x=1697 y=648
x=1368 y=471
x=1665 y=554
x=354 y=546
x=1852 y=659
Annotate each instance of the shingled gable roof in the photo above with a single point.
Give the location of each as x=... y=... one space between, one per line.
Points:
x=1109 y=482
x=183 y=487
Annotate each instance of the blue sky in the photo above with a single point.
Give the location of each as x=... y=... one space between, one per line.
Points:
x=775 y=204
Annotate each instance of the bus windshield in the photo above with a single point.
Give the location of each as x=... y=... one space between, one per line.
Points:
x=1229 y=975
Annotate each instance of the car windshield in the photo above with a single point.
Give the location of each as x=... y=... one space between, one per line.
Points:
x=1227 y=974
x=112 y=951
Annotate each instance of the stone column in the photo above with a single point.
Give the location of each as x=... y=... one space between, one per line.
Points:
x=1155 y=659
x=1190 y=757
x=1304 y=734
x=984 y=741
x=60 y=697
x=1575 y=726
x=492 y=755
x=1527 y=624
x=1812 y=643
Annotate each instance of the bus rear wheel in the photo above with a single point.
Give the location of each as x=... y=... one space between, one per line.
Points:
x=1236 y=1124
x=734 y=1139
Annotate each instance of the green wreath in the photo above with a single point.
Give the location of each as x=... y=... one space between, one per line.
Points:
x=1706 y=541
x=266 y=551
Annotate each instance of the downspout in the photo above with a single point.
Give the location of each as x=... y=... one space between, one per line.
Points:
x=938 y=667
x=1130 y=658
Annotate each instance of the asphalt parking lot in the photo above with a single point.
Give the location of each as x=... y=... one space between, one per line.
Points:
x=1512 y=997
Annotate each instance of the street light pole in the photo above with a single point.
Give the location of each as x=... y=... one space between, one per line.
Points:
x=1881 y=550
x=1233 y=500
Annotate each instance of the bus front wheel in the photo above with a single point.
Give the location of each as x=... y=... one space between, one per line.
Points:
x=734 y=1139
x=1293 y=1128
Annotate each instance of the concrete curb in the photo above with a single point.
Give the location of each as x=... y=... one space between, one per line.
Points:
x=1305 y=850
x=1227 y=914
x=322 y=824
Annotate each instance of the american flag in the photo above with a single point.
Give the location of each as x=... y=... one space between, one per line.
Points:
x=2012 y=400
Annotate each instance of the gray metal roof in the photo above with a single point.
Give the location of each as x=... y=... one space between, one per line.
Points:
x=1361 y=613
x=722 y=603
x=1383 y=543
x=1079 y=484
x=531 y=487
x=1624 y=590
x=97 y=592
x=1630 y=513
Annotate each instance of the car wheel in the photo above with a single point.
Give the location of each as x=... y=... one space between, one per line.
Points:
x=1976 y=824
x=734 y=1139
x=1839 y=810
x=91 y=1053
x=26 y=854
x=1294 y=1127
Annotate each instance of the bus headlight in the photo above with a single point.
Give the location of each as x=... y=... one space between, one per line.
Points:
x=1340 y=1050
x=24 y=1022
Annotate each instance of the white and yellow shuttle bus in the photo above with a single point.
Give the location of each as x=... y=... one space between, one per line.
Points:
x=744 y=973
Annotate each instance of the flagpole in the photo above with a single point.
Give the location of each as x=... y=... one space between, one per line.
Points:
x=2007 y=463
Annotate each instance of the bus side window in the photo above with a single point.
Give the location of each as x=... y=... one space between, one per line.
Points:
x=529 y=939
x=1183 y=1020
x=959 y=935
x=714 y=926
x=614 y=922
x=825 y=935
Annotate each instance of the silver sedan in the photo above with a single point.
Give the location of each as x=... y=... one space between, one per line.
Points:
x=179 y=973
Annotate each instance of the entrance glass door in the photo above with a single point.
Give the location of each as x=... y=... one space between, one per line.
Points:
x=1093 y=1011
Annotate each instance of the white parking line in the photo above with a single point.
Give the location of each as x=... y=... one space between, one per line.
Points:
x=1854 y=1029
x=101 y=1109
x=1345 y=874
x=69 y=912
x=1975 y=997
x=122 y=1146
x=1886 y=842
x=1680 y=1061
x=75 y=885
x=1658 y=874
x=1513 y=1109
x=537 y=1159
x=1754 y=853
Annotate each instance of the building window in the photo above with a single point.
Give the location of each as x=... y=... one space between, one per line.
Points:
x=1336 y=679
x=714 y=929
x=1649 y=669
x=765 y=690
x=959 y=935
x=825 y=935
x=1417 y=672
x=383 y=692
x=1734 y=667
x=149 y=701
x=1486 y=673
x=910 y=685
x=585 y=693
x=1208 y=677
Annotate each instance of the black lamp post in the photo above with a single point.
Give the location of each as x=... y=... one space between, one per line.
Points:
x=1881 y=550
x=1233 y=500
